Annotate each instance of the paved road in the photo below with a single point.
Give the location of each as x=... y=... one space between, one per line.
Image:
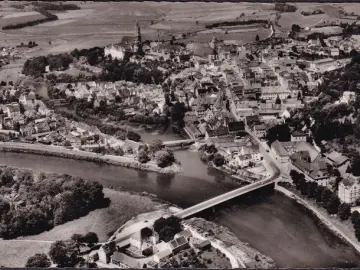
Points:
x=28 y=240
x=230 y=195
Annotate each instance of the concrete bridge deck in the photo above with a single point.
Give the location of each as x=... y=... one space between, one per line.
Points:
x=178 y=142
x=228 y=196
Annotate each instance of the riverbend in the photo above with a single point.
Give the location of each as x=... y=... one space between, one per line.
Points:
x=271 y=223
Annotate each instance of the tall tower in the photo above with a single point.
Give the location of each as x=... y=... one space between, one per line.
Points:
x=138 y=43
x=138 y=33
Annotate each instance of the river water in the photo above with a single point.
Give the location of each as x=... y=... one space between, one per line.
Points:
x=270 y=222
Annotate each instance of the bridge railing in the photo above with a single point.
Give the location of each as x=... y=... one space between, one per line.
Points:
x=227 y=196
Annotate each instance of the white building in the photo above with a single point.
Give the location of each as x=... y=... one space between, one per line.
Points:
x=280 y=153
x=347 y=97
x=259 y=130
x=349 y=189
x=298 y=136
x=272 y=92
x=245 y=156
x=116 y=51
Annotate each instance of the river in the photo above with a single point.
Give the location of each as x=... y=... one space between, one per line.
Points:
x=270 y=222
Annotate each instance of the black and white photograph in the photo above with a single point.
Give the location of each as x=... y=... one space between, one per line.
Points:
x=164 y=134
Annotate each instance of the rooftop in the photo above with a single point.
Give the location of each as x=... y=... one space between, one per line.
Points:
x=125 y=259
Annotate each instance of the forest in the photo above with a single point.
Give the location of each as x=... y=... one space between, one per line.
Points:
x=32 y=203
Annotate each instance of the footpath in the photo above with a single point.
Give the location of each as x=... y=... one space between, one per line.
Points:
x=324 y=219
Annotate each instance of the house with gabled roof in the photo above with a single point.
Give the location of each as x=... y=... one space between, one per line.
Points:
x=125 y=261
x=178 y=244
x=337 y=159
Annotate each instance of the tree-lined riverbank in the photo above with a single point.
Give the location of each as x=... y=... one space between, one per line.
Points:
x=271 y=223
x=58 y=151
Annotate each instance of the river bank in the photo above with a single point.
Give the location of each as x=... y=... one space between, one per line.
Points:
x=239 y=254
x=62 y=152
x=270 y=222
x=322 y=217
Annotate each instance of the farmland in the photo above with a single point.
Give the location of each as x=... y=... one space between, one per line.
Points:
x=98 y=24
x=14 y=253
x=20 y=17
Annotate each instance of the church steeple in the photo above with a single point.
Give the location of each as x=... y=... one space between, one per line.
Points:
x=137 y=46
x=138 y=33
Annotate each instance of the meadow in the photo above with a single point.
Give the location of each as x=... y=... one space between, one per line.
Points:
x=104 y=222
x=20 y=17
x=99 y=24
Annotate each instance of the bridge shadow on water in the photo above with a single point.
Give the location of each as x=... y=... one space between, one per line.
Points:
x=245 y=200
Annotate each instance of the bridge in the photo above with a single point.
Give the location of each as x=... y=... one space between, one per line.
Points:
x=228 y=196
x=178 y=143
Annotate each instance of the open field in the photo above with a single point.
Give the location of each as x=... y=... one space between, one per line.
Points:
x=16 y=253
x=122 y=208
x=20 y=14
x=328 y=30
x=352 y=7
x=287 y=19
x=20 y=17
x=98 y=24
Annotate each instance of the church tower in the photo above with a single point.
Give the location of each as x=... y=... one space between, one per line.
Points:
x=138 y=42
x=138 y=33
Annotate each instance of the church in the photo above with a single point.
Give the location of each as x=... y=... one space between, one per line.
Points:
x=128 y=44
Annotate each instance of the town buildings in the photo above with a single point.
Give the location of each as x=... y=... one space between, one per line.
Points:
x=303 y=157
x=349 y=189
x=128 y=45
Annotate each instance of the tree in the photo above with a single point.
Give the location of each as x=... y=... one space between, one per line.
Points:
x=355 y=165
x=303 y=186
x=64 y=253
x=131 y=135
x=143 y=157
x=167 y=227
x=154 y=146
x=355 y=217
x=67 y=143
x=164 y=158
x=77 y=237
x=344 y=211
x=332 y=206
x=295 y=28
x=337 y=182
x=319 y=192
x=311 y=192
x=178 y=113
x=38 y=260
x=279 y=132
x=147 y=252
x=219 y=160
x=326 y=195
x=357 y=233
x=278 y=100
x=91 y=238
x=293 y=174
x=257 y=38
